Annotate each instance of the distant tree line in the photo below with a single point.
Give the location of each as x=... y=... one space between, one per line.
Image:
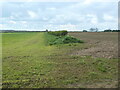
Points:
x=111 y=30
x=64 y=32
x=96 y=30
x=58 y=33
x=85 y=31
x=6 y=31
x=92 y=30
x=11 y=31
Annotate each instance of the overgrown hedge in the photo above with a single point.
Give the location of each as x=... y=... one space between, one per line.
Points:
x=61 y=37
x=58 y=33
x=64 y=40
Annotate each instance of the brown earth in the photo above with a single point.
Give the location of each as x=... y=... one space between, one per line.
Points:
x=102 y=44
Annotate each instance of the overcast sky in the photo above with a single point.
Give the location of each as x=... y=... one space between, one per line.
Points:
x=80 y=15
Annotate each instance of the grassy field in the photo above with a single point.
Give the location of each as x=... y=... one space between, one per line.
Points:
x=28 y=61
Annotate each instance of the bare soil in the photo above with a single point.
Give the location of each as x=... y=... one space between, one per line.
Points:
x=102 y=44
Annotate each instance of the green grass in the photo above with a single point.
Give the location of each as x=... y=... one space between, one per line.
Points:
x=30 y=62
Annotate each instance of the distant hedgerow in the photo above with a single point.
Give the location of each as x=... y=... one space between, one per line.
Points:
x=58 y=33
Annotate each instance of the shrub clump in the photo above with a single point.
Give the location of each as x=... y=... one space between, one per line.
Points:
x=58 y=33
x=61 y=37
x=65 y=40
x=69 y=39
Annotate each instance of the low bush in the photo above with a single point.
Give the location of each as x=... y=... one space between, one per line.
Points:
x=58 y=33
x=63 y=40
x=69 y=39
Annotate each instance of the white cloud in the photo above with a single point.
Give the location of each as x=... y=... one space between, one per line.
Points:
x=23 y=22
x=45 y=18
x=55 y=0
x=61 y=27
x=15 y=15
x=51 y=8
x=67 y=27
x=107 y=17
x=93 y=18
x=1 y=25
x=32 y=14
x=79 y=15
x=87 y=2
x=12 y=22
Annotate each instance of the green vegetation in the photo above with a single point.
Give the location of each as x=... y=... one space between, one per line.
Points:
x=85 y=31
x=61 y=37
x=30 y=62
x=109 y=30
x=58 y=33
x=69 y=39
